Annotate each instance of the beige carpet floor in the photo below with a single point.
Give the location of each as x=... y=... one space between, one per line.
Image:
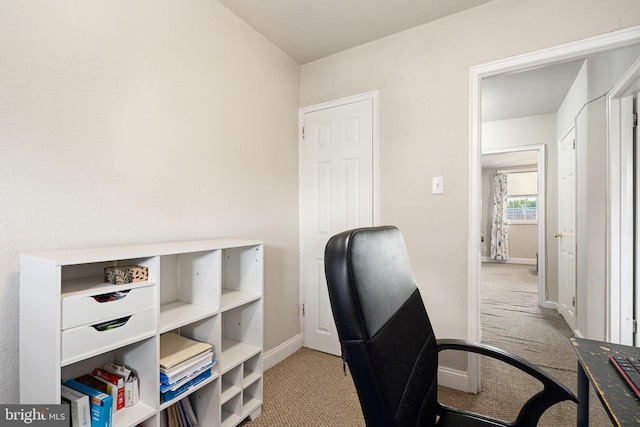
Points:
x=310 y=388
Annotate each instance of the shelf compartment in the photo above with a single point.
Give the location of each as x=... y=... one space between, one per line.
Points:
x=77 y=277
x=244 y=323
x=191 y=278
x=140 y=357
x=252 y=370
x=232 y=299
x=231 y=384
x=231 y=413
x=177 y=314
x=243 y=269
x=251 y=398
x=234 y=353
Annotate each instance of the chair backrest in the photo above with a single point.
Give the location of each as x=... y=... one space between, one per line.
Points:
x=385 y=333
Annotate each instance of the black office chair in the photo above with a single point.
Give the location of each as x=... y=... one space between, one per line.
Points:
x=388 y=342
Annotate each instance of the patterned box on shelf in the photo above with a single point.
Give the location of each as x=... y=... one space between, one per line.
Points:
x=120 y=275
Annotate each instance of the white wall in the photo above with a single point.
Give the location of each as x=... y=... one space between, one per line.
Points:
x=585 y=108
x=133 y=122
x=423 y=79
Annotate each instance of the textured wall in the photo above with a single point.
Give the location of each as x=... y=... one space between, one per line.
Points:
x=140 y=122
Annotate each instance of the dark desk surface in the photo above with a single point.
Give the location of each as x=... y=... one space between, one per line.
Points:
x=618 y=399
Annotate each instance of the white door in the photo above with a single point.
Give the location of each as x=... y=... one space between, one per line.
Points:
x=336 y=194
x=567 y=228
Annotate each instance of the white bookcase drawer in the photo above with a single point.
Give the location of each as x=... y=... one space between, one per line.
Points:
x=80 y=310
x=86 y=341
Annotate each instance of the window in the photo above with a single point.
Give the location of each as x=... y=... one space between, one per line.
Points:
x=522 y=208
x=522 y=197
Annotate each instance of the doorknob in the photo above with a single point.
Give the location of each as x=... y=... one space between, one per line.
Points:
x=558 y=235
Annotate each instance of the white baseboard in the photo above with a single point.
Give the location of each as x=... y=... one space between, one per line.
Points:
x=452 y=378
x=281 y=352
x=551 y=304
x=528 y=261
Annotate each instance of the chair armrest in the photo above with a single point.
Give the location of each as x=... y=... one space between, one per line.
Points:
x=552 y=393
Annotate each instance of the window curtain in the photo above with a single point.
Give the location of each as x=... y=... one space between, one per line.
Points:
x=499 y=229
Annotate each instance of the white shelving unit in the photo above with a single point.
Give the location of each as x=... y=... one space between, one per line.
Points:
x=209 y=291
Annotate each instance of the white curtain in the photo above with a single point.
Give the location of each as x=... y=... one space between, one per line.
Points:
x=499 y=229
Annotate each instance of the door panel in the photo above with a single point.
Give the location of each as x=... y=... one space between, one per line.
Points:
x=336 y=194
x=567 y=228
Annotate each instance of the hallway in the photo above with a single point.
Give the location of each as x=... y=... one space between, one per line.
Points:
x=512 y=320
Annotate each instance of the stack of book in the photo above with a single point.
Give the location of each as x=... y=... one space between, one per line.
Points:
x=180 y=414
x=183 y=364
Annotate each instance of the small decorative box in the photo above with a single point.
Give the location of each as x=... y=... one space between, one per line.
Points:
x=120 y=275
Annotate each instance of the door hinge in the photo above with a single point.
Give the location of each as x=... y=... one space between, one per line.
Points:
x=302 y=132
x=635 y=326
x=574 y=144
x=635 y=120
x=573 y=301
x=302 y=310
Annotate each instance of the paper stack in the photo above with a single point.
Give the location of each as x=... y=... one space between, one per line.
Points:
x=183 y=364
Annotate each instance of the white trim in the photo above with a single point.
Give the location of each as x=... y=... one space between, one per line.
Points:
x=453 y=379
x=276 y=355
x=554 y=55
x=620 y=262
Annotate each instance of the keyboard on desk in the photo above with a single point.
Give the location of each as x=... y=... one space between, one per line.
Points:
x=629 y=368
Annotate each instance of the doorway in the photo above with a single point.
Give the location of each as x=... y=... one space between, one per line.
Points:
x=556 y=55
x=522 y=159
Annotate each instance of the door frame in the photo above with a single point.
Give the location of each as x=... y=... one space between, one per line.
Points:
x=373 y=96
x=541 y=155
x=621 y=207
x=549 y=56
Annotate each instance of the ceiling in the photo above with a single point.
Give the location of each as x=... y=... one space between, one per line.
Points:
x=308 y=30
x=528 y=93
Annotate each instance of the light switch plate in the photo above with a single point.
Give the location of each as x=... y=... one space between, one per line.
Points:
x=437 y=185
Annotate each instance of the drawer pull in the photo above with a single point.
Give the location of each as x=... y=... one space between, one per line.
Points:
x=112 y=324
x=111 y=296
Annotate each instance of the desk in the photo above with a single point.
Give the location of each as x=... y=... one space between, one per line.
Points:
x=594 y=367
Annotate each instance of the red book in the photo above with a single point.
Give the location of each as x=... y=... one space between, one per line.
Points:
x=116 y=380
